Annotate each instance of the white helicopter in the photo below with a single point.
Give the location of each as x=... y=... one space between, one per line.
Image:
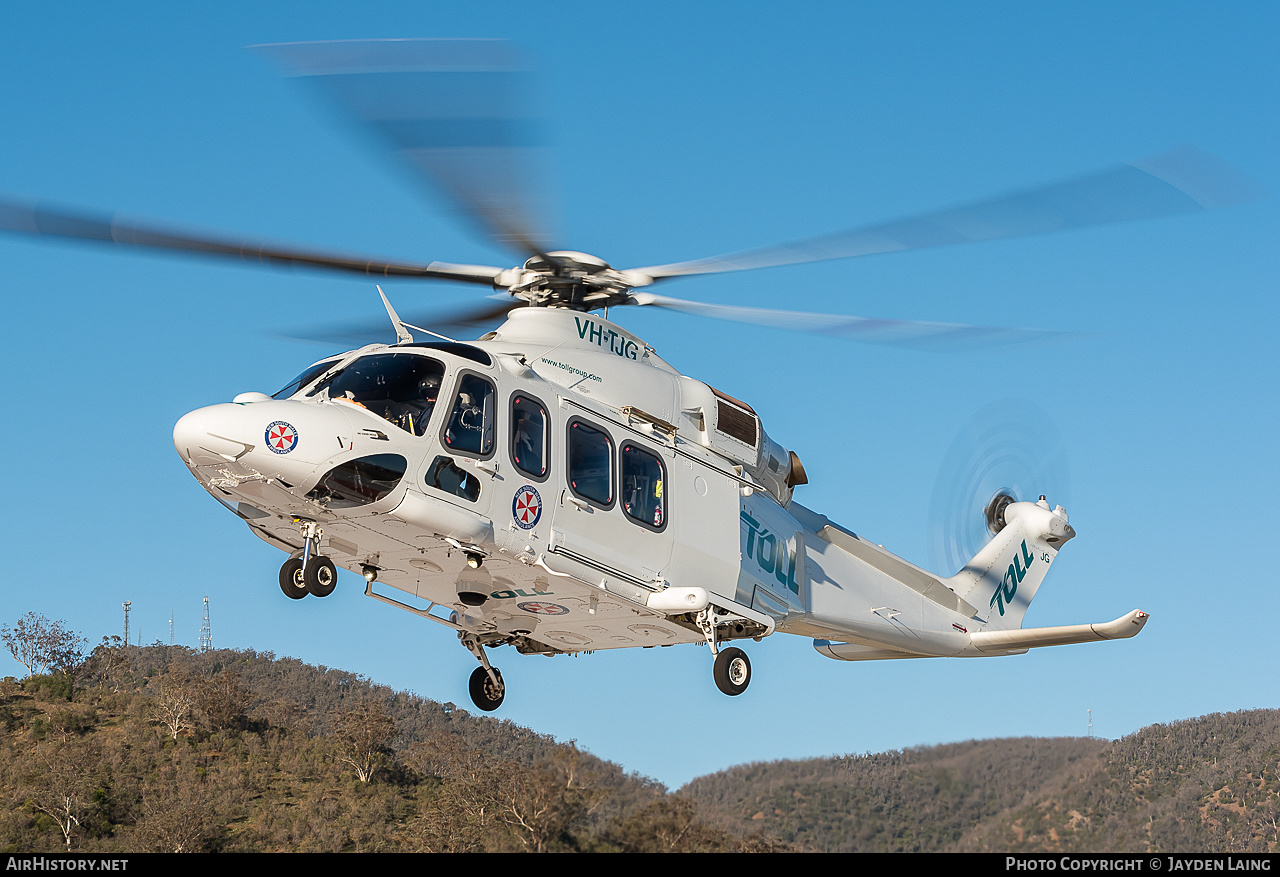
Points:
x=555 y=485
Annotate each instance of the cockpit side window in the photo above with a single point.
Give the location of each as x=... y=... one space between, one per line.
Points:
x=305 y=378
x=529 y=436
x=401 y=388
x=470 y=429
x=643 y=487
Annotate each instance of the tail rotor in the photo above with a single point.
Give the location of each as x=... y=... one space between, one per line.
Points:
x=1006 y=452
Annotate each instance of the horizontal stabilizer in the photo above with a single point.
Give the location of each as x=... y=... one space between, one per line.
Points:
x=1003 y=640
x=997 y=642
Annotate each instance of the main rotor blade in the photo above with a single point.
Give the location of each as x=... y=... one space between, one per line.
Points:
x=1183 y=181
x=36 y=219
x=895 y=333
x=452 y=110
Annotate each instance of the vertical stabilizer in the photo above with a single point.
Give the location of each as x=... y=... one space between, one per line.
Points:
x=1002 y=578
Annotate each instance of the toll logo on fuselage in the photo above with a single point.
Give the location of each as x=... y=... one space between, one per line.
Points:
x=281 y=437
x=770 y=552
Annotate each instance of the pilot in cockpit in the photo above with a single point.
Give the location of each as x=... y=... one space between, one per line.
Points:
x=415 y=419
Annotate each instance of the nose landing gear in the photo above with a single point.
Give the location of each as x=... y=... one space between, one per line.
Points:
x=319 y=577
x=310 y=573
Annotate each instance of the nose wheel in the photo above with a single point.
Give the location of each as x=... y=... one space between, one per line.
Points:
x=319 y=577
x=291 y=580
x=311 y=573
x=732 y=671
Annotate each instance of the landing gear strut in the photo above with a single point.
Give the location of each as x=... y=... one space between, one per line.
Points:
x=732 y=670
x=310 y=573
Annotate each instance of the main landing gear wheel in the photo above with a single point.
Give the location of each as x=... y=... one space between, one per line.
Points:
x=291 y=581
x=732 y=672
x=484 y=693
x=320 y=576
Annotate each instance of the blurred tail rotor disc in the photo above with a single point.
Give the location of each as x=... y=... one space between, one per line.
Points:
x=1008 y=451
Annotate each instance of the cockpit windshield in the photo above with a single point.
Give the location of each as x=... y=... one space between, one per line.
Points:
x=401 y=388
x=305 y=378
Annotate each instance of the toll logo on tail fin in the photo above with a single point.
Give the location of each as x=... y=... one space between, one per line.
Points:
x=1022 y=563
x=1005 y=575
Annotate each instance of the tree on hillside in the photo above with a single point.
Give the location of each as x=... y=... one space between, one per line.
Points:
x=362 y=733
x=105 y=665
x=174 y=702
x=542 y=802
x=42 y=645
x=59 y=780
x=222 y=700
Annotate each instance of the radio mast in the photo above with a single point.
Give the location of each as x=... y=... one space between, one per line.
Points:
x=206 y=633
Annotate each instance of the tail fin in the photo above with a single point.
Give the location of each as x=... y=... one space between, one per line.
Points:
x=1002 y=579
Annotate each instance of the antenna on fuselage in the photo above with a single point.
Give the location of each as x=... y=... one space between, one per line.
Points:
x=402 y=328
x=402 y=334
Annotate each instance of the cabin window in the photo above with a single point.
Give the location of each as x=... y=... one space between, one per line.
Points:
x=448 y=476
x=644 y=495
x=591 y=464
x=529 y=436
x=470 y=429
x=401 y=388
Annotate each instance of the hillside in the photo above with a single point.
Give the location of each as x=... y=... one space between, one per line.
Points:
x=164 y=749
x=1206 y=784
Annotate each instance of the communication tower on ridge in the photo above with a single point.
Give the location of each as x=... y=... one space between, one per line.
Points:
x=126 y=604
x=206 y=633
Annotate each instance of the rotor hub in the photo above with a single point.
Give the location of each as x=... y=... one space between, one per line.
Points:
x=994 y=512
x=570 y=279
x=563 y=262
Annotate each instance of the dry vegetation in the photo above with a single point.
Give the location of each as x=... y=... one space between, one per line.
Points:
x=162 y=749
x=1206 y=784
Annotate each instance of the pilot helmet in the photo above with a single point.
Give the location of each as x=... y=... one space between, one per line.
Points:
x=429 y=387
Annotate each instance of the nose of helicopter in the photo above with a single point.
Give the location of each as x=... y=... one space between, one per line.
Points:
x=208 y=436
x=285 y=435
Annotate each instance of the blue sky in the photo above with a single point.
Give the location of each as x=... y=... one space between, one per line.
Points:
x=686 y=130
